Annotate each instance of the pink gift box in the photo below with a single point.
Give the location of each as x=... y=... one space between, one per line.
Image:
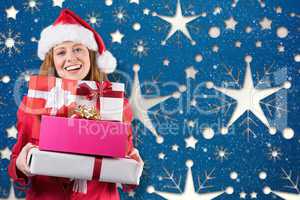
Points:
x=82 y=136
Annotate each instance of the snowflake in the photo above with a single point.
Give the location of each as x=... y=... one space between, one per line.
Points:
x=10 y=42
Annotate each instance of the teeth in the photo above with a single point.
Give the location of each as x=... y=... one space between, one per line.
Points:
x=73 y=67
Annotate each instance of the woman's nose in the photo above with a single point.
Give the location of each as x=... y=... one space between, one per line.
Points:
x=71 y=57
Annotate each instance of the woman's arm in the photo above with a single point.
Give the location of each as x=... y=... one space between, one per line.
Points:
x=23 y=120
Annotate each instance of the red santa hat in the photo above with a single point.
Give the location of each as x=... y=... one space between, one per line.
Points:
x=70 y=27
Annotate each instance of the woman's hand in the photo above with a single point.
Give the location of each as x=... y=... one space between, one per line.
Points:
x=136 y=156
x=22 y=158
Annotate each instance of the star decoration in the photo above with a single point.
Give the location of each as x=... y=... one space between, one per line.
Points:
x=11 y=13
x=258 y=44
x=12 y=132
x=191 y=72
x=141 y=106
x=166 y=62
x=230 y=23
x=265 y=23
x=178 y=23
x=5 y=153
x=194 y=103
x=253 y=195
x=248 y=98
x=161 y=156
x=58 y=3
x=190 y=142
x=243 y=195
x=175 y=147
x=189 y=189
x=117 y=36
x=146 y=11
x=280 y=48
x=278 y=10
x=238 y=44
x=217 y=10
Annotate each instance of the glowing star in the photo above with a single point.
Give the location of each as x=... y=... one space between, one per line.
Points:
x=12 y=132
x=191 y=72
x=284 y=195
x=161 y=156
x=11 y=12
x=189 y=190
x=265 y=23
x=190 y=142
x=178 y=23
x=243 y=195
x=253 y=195
x=274 y=154
x=32 y=5
x=175 y=147
x=141 y=106
x=248 y=98
x=117 y=36
x=230 y=23
x=222 y=153
x=5 y=153
x=58 y=3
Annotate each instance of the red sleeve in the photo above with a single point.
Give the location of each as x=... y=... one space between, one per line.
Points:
x=22 y=140
x=128 y=117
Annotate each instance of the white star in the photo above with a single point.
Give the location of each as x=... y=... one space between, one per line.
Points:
x=248 y=98
x=253 y=195
x=178 y=23
x=134 y=1
x=194 y=102
x=265 y=23
x=230 y=23
x=161 y=156
x=58 y=3
x=191 y=72
x=117 y=36
x=5 y=153
x=189 y=190
x=238 y=44
x=278 y=10
x=12 y=132
x=141 y=106
x=166 y=62
x=258 y=44
x=243 y=195
x=190 y=142
x=146 y=11
x=175 y=147
x=217 y=10
x=11 y=12
x=280 y=48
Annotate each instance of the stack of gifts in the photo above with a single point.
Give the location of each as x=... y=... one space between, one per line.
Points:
x=82 y=135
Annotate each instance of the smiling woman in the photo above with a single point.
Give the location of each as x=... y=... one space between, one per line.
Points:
x=59 y=63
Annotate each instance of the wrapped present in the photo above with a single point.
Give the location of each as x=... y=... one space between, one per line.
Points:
x=109 y=98
x=120 y=170
x=83 y=136
x=48 y=95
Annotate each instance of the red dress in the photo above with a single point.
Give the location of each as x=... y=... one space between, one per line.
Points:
x=53 y=188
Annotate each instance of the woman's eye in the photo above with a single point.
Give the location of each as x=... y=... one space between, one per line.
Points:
x=78 y=49
x=61 y=53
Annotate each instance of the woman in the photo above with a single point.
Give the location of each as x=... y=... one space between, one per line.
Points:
x=70 y=49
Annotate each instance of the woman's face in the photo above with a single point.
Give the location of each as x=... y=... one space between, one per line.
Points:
x=71 y=60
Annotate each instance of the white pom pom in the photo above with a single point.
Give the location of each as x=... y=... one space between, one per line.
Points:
x=106 y=62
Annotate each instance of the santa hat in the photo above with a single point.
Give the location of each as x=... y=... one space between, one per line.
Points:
x=70 y=27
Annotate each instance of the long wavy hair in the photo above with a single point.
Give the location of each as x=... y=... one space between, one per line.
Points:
x=48 y=69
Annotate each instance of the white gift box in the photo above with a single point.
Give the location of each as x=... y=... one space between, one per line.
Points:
x=120 y=170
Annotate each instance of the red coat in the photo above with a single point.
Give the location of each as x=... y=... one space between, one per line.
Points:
x=53 y=188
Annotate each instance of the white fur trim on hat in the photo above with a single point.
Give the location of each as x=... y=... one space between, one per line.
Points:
x=106 y=62
x=53 y=35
